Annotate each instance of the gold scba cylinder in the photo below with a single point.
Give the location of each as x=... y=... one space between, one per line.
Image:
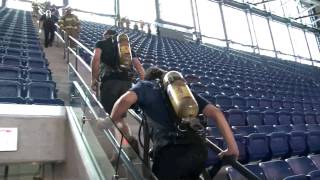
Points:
x=182 y=99
x=124 y=51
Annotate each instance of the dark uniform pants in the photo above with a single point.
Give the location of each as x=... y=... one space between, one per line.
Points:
x=110 y=91
x=48 y=36
x=179 y=162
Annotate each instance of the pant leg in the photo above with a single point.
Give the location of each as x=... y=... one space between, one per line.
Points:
x=46 y=37
x=179 y=162
x=52 y=35
x=110 y=91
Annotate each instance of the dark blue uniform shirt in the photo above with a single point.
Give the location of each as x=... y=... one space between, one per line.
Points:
x=152 y=102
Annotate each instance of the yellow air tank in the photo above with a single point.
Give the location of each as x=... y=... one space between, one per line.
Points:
x=124 y=51
x=181 y=98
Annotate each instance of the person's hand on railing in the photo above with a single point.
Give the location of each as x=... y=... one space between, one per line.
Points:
x=229 y=153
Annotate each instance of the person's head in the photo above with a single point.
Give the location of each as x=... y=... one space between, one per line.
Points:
x=48 y=13
x=68 y=10
x=154 y=73
x=109 y=33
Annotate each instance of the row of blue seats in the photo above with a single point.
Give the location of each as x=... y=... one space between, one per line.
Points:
x=22 y=52
x=295 y=168
x=21 y=46
x=33 y=92
x=17 y=73
x=225 y=89
x=244 y=103
x=264 y=147
x=238 y=117
x=23 y=62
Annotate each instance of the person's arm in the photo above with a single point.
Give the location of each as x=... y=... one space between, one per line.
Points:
x=138 y=66
x=212 y=112
x=120 y=107
x=95 y=63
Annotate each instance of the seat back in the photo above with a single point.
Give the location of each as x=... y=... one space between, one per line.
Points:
x=254 y=117
x=313 y=141
x=270 y=118
x=297 y=143
x=236 y=117
x=301 y=165
x=276 y=169
x=279 y=145
x=258 y=149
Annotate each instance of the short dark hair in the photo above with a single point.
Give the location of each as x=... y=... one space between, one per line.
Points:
x=154 y=73
x=109 y=32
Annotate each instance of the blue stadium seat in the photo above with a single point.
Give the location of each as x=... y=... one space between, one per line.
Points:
x=11 y=92
x=313 y=127
x=313 y=139
x=226 y=90
x=42 y=93
x=252 y=102
x=265 y=103
x=38 y=75
x=235 y=175
x=254 y=117
x=267 y=129
x=276 y=169
x=314 y=175
x=276 y=104
x=279 y=145
x=298 y=106
x=257 y=145
x=238 y=102
x=287 y=105
x=301 y=165
x=299 y=127
x=12 y=61
x=270 y=117
x=10 y=72
x=297 y=143
x=223 y=102
x=310 y=118
x=236 y=117
x=14 y=52
x=284 y=118
x=297 y=118
x=32 y=63
x=243 y=130
x=307 y=106
x=286 y=128
x=315 y=159
x=297 y=177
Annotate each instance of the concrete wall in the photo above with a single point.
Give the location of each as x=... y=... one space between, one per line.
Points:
x=41 y=132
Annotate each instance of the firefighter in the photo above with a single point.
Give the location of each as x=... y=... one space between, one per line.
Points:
x=70 y=24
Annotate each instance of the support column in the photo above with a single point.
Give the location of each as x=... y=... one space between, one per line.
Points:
x=305 y=37
x=117 y=11
x=198 y=19
x=254 y=32
x=274 y=46
x=4 y=2
x=291 y=42
x=248 y=23
x=65 y=2
x=158 y=16
x=224 y=24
